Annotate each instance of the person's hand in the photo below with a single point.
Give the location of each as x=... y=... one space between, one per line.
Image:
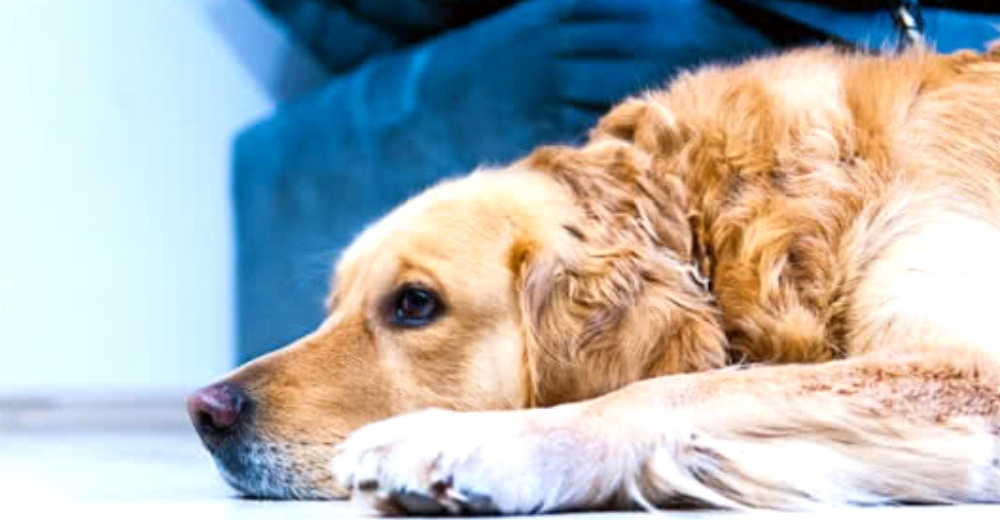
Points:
x=541 y=71
x=544 y=70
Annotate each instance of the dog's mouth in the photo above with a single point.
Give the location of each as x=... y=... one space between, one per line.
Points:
x=282 y=470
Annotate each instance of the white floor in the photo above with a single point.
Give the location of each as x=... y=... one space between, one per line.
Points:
x=59 y=473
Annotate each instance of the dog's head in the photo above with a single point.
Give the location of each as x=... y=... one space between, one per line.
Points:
x=564 y=276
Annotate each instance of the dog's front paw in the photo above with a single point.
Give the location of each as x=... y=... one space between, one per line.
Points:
x=439 y=462
x=407 y=463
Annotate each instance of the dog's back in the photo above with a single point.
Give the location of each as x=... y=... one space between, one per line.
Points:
x=846 y=202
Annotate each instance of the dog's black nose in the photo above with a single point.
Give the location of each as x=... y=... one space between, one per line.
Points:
x=216 y=410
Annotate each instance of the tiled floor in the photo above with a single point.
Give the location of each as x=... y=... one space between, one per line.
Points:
x=48 y=473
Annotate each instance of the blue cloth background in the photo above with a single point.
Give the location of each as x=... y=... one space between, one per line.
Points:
x=430 y=88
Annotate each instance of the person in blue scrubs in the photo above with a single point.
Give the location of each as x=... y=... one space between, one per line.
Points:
x=425 y=89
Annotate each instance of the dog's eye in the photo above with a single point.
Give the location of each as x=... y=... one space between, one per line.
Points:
x=415 y=307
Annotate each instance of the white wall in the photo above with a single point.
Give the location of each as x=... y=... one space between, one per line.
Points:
x=116 y=268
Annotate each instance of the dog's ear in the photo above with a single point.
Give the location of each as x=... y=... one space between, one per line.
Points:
x=614 y=298
x=993 y=48
x=644 y=122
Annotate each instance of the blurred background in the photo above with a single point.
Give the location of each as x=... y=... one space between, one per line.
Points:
x=178 y=176
x=116 y=228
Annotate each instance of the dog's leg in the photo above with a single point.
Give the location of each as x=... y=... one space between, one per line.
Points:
x=861 y=431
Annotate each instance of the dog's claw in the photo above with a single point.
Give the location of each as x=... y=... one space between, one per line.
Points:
x=478 y=503
x=368 y=485
x=414 y=503
x=439 y=502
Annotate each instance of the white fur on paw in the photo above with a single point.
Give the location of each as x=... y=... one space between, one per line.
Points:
x=438 y=462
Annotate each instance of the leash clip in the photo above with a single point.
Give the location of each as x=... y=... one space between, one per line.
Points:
x=909 y=20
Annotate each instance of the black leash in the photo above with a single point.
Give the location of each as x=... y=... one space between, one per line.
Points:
x=909 y=22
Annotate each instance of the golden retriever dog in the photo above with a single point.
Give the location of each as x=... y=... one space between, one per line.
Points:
x=766 y=286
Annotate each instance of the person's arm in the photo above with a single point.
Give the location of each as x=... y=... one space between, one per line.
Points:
x=341 y=34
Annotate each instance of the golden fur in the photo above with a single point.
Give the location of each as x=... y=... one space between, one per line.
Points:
x=833 y=213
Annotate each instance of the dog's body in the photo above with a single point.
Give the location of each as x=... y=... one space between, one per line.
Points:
x=829 y=222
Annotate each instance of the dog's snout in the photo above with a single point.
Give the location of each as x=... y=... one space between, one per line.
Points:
x=216 y=410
